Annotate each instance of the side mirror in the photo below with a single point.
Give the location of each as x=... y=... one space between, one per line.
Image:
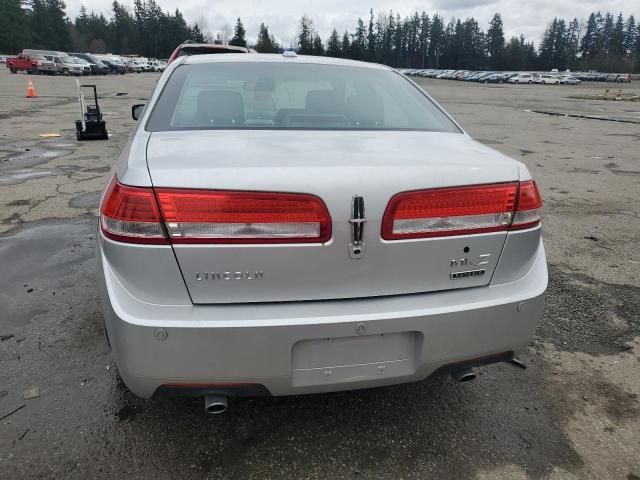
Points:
x=136 y=111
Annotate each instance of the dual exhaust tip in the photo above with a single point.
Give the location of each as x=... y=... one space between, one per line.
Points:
x=217 y=404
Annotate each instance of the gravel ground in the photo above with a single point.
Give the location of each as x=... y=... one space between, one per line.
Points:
x=573 y=413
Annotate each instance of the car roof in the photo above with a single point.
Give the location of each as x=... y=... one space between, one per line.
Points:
x=214 y=46
x=278 y=58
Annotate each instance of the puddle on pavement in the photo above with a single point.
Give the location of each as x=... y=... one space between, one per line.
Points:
x=20 y=176
x=16 y=164
x=39 y=262
x=12 y=159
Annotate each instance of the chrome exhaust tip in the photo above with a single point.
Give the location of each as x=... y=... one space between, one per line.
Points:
x=215 y=404
x=463 y=375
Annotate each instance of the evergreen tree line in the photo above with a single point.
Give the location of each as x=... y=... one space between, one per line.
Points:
x=43 y=24
x=604 y=42
x=421 y=41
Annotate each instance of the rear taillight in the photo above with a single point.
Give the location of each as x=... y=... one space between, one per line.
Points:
x=206 y=216
x=130 y=214
x=137 y=215
x=462 y=211
x=529 y=207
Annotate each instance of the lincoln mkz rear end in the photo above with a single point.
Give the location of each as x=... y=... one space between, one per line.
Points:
x=283 y=225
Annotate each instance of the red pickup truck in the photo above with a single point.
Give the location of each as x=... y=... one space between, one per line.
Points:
x=30 y=63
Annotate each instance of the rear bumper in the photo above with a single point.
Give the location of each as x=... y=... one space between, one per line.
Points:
x=263 y=344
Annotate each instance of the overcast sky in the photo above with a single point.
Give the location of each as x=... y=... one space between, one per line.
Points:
x=528 y=17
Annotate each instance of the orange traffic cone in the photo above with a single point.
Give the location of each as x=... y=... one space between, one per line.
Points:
x=31 y=90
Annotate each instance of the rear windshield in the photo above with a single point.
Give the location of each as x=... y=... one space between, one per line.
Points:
x=289 y=96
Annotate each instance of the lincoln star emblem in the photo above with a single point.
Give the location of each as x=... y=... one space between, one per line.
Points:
x=357 y=221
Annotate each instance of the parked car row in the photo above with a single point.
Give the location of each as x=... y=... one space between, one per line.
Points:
x=76 y=63
x=543 y=78
x=497 y=77
x=604 y=77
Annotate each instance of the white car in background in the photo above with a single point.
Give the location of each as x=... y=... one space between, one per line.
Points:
x=547 y=80
x=144 y=63
x=157 y=66
x=134 y=66
x=569 y=80
x=443 y=74
x=66 y=65
x=522 y=78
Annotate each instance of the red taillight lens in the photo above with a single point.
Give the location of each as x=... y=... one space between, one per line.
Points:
x=206 y=216
x=461 y=211
x=529 y=207
x=130 y=214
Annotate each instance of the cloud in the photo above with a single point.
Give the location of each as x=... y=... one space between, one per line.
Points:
x=457 y=5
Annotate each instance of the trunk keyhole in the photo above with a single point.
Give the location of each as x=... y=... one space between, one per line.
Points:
x=466 y=249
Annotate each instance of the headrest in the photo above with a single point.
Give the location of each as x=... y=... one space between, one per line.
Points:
x=365 y=110
x=220 y=107
x=323 y=101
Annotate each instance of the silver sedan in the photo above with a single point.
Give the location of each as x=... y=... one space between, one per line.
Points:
x=282 y=224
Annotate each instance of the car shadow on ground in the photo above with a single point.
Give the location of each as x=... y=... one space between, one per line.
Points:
x=437 y=427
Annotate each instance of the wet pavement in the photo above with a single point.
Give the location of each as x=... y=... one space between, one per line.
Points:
x=574 y=412
x=39 y=262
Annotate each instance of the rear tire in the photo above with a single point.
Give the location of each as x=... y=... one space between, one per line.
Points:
x=529 y=82
x=13 y=70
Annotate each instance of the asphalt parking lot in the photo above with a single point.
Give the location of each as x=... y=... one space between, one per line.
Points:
x=573 y=413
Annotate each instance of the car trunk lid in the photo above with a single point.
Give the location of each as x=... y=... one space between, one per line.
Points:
x=333 y=166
